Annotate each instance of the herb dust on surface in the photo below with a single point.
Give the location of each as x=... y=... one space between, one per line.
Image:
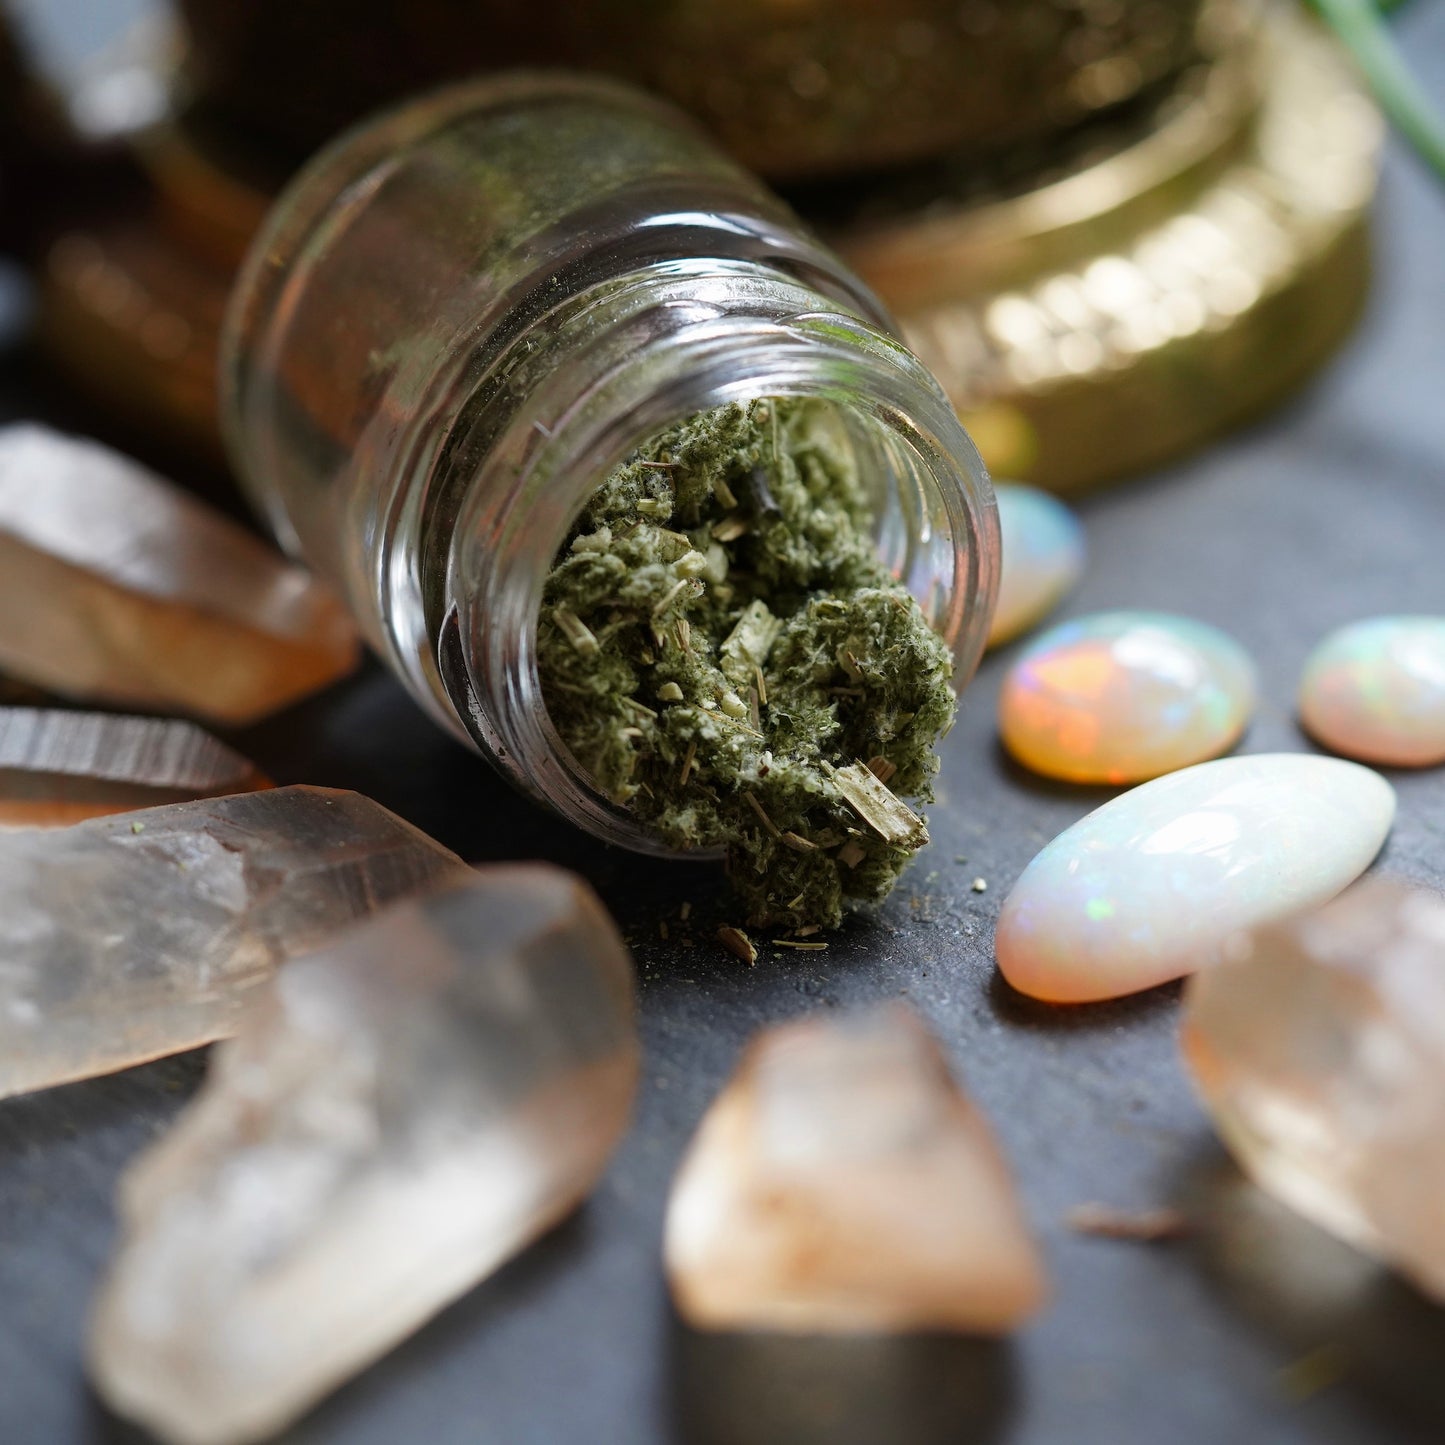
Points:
x=725 y=654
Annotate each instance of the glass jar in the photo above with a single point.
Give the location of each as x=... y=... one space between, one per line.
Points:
x=459 y=319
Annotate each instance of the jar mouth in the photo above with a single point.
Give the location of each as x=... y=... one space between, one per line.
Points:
x=935 y=524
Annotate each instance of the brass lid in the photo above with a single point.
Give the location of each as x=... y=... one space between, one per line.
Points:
x=793 y=88
x=1149 y=298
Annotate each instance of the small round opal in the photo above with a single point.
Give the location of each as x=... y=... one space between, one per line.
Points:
x=1043 y=556
x=1156 y=883
x=1375 y=690
x=1118 y=697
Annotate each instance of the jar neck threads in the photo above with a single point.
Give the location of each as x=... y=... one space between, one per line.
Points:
x=658 y=347
x=464 y=314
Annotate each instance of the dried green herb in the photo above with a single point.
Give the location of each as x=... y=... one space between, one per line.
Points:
x=725 y=654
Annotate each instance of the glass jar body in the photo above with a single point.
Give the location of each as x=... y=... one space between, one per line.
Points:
x=462 y=316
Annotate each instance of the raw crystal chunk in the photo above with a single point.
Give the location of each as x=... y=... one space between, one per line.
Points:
x=1319 y=1047
x=61 y=767
x=399 y=1114
x=122 y=939
x=115 y=585
x=841 y=1183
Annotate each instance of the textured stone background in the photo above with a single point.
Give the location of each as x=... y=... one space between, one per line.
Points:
x=1256 y=1330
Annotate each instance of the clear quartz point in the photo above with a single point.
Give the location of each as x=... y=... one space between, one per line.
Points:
x=60 y=767
x=126 y=938
x=118 y=586
x=400 y=1114
x=1318 y=1046
x=842 y=1183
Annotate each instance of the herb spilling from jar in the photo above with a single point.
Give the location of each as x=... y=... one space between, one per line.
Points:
x=726 y=656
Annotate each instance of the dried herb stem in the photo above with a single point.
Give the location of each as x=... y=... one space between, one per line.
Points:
x=747 y=648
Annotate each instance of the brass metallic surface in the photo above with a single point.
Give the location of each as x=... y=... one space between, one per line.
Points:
x=793 y=89
x=1195 y=258
x=1140 y=305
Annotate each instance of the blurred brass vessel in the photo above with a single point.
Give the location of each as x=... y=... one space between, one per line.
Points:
x=1163 y=288
x=1094 y=305
x=794 y=88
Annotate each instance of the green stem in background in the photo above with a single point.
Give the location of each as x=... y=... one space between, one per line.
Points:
x=1361 y=26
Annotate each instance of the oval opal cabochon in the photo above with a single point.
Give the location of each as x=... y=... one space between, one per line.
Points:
x=1375 y=690
x=1152 y=885
x=1118 y=697
x=1043 y=557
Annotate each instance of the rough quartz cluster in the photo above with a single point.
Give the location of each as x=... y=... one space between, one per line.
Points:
x=400 y=1114
x=842 y=1183
x=115 y=585
x=126 y=938
x=61 y=767
x=1319 y=1048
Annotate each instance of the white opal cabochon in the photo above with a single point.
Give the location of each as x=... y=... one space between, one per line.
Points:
x=1152 y=885
x=1375 y=690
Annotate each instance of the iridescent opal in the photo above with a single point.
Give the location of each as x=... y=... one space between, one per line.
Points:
x=1118 y=697
x=1043 y=556
x=1154 y=884
x=1376 y=691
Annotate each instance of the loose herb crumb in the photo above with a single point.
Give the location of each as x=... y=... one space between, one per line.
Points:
x=738 y=944
x=725 y=655
x=1148 y=1226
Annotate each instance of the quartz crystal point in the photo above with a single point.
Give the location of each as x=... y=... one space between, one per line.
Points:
x=1319 y=1048
x=115 y=585
x=123 y=939
x=399 y=1114
x=62 y=767
x=842 y=1183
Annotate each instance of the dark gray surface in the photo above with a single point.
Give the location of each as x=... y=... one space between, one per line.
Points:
x=1256 y=1330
